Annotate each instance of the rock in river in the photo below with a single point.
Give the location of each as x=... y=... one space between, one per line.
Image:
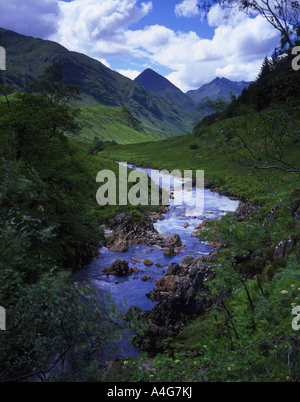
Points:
x=118 y=268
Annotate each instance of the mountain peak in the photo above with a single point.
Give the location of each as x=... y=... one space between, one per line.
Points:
x=99 y=85
x=220 y=87
x=153 y=81
x=221 y=79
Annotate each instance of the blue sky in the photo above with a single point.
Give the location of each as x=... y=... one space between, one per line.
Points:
x=163 y=12
x=169 y=36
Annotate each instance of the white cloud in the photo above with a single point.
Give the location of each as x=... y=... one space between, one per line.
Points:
x=235 y=52
x=132 y=74
x=103 y=61
x=225 y=16
x=98 y=28
x=187 y=8
x=103 y=30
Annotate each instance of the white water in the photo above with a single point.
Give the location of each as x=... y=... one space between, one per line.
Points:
x=131 y=291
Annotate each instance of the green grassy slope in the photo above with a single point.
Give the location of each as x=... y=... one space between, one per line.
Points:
x=28 y=57
x=212 y=154
x=110 y=124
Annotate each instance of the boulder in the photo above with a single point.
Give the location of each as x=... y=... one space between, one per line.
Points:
x=164 y=286
x=188 y=261
x=118 y=268
x=173 y=269
x=136 y=259
x=204 y=222
x=120 y=246
x=169 y=252
x=110 y=237
x=203 y=259
x=175 y=240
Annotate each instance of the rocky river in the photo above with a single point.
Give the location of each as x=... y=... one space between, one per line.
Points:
x=143 y=266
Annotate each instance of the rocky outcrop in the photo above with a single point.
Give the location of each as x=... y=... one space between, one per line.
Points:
x=125 y=232
x=118 y=268
x=120 y=246
x=244 y=211
x=182 y=297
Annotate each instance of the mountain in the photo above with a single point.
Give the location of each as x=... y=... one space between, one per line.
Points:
x=155 y=82
x=27 y=58
x=110 y=124
x=218 y=88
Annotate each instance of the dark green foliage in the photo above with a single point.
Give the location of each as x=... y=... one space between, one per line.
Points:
x=54 y=328
x=49 y=227
x=44 y=157
x=194 y=146
x=247 y=334
x=97 y=146
x=49 y=85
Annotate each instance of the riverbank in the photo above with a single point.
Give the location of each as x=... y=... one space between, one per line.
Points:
x=181 y=296
x=255 y=269
x=170 y=261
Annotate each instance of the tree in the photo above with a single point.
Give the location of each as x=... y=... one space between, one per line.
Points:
x=50 y=86
x=97 y=146
x=48 y=227
x=266 y=149
x=283 y=15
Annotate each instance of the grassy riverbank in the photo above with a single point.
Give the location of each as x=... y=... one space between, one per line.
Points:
x=212 y=153
x=247 y=334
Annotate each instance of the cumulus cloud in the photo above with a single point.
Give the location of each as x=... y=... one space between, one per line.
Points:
x=30 y=17
x=235 y=51
x=132 y=74
x=103 y=30
x=187 y=8
x=225 y=16
x=98 y=28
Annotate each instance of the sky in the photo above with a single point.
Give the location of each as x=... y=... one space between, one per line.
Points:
x=170 y=36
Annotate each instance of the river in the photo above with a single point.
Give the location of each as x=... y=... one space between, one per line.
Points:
x=132 y=290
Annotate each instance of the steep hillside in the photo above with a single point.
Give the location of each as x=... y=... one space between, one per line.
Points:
x=218 y=88
x=111 y=124
x=28 y=57
x=153 y=81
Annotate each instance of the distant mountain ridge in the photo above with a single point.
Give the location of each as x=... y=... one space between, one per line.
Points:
x=155 y=82
x=218 y=88
x=28 y=57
